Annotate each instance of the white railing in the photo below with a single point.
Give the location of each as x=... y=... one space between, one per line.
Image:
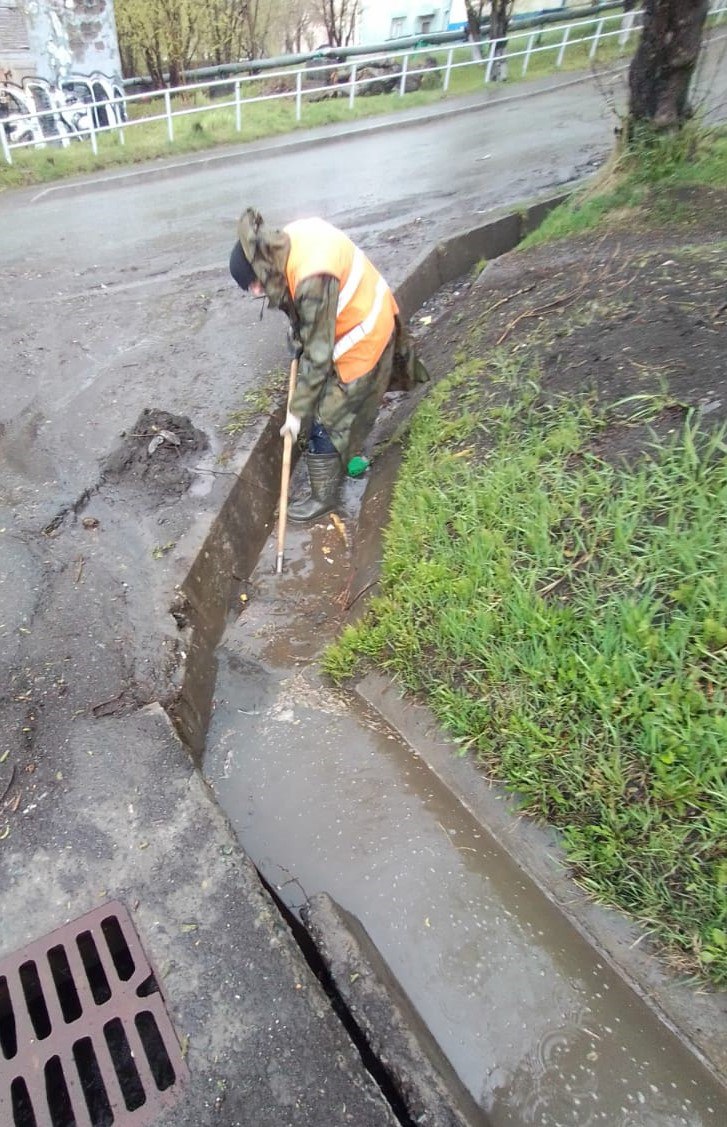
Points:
x=489 y=55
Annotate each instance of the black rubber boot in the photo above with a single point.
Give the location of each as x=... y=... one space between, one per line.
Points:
x=325 y=473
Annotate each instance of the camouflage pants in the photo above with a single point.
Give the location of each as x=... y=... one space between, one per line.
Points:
x=348 y=411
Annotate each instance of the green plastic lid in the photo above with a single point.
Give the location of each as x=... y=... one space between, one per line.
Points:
x=357 y=466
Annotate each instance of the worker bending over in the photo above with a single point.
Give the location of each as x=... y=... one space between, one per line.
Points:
x=346 y=331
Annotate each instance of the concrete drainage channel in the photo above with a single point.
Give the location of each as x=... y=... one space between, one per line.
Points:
x=469 y=993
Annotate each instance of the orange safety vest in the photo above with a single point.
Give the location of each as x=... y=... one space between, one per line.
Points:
x=366 y=306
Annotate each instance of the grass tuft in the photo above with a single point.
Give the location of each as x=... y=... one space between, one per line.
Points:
x=641 y=178
x=257 y=402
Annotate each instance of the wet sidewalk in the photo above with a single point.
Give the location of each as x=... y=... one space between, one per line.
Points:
x=326 y=795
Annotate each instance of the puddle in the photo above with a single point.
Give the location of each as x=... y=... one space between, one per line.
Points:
x=325 y=797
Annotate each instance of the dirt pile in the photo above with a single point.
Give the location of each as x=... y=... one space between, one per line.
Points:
x=156 y=454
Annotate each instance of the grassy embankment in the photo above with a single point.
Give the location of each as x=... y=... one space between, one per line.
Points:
x=564 y=612
x=215 y=127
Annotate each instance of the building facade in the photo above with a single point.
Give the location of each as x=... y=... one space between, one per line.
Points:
x=380 y=20
x=391 y=19
x=52 y=39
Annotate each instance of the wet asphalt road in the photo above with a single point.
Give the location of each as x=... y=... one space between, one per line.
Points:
x=116 y=295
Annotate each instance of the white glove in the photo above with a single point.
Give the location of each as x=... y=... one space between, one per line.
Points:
x=291 y=426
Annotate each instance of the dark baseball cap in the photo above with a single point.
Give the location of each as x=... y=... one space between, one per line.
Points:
x=240 y=267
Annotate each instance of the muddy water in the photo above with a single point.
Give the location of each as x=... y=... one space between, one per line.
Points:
x=324 y=796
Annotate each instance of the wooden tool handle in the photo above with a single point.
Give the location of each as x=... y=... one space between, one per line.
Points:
x=285 y=475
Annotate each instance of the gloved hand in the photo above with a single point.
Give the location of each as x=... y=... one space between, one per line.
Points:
x=291 y=426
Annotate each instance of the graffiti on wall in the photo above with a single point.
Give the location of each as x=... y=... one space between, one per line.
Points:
x=37 y=112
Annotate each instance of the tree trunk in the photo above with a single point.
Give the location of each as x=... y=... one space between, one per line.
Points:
x=154 y=63
x=501 y=11
x=662 y=68
x=473 y=26
x=474 y=15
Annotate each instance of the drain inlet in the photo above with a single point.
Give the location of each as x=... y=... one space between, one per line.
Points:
x=85 y=1037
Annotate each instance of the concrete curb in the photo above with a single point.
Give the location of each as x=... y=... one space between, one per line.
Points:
x=536 y=850
x=455 y=256
x=427 y=1084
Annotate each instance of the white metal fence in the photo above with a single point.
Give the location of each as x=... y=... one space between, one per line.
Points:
x=404 y=71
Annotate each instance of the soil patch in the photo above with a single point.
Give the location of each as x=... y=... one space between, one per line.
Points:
x=629 y=317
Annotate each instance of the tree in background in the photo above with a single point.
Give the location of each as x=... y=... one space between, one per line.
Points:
x=475 y=10
x=167 y=37
x=225 y=31
x=500 y=16
x=662 y=69
x=158 y=35
x=339 y=19
x=259 y=19
x=500 y=12
x=298 y=22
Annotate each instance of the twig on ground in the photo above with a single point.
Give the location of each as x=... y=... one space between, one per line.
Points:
x=11 y=780
x=358 y=594
x=510 y=297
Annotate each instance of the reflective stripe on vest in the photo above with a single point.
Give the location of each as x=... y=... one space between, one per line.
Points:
x=366 y=307
x=358 y=332
x=354 y=280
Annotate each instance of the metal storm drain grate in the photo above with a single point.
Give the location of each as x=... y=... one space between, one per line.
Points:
x=85 y=1039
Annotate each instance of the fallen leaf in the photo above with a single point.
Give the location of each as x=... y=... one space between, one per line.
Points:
x=425 y=320
x=162 y=549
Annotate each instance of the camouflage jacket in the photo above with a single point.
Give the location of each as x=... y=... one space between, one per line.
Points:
x=312 y=315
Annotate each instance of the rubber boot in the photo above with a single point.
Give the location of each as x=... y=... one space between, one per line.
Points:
x=325 y=473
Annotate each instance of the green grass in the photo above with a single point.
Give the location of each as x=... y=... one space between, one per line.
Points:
x=641 y=179
x=217 y=127
x=565 y=619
